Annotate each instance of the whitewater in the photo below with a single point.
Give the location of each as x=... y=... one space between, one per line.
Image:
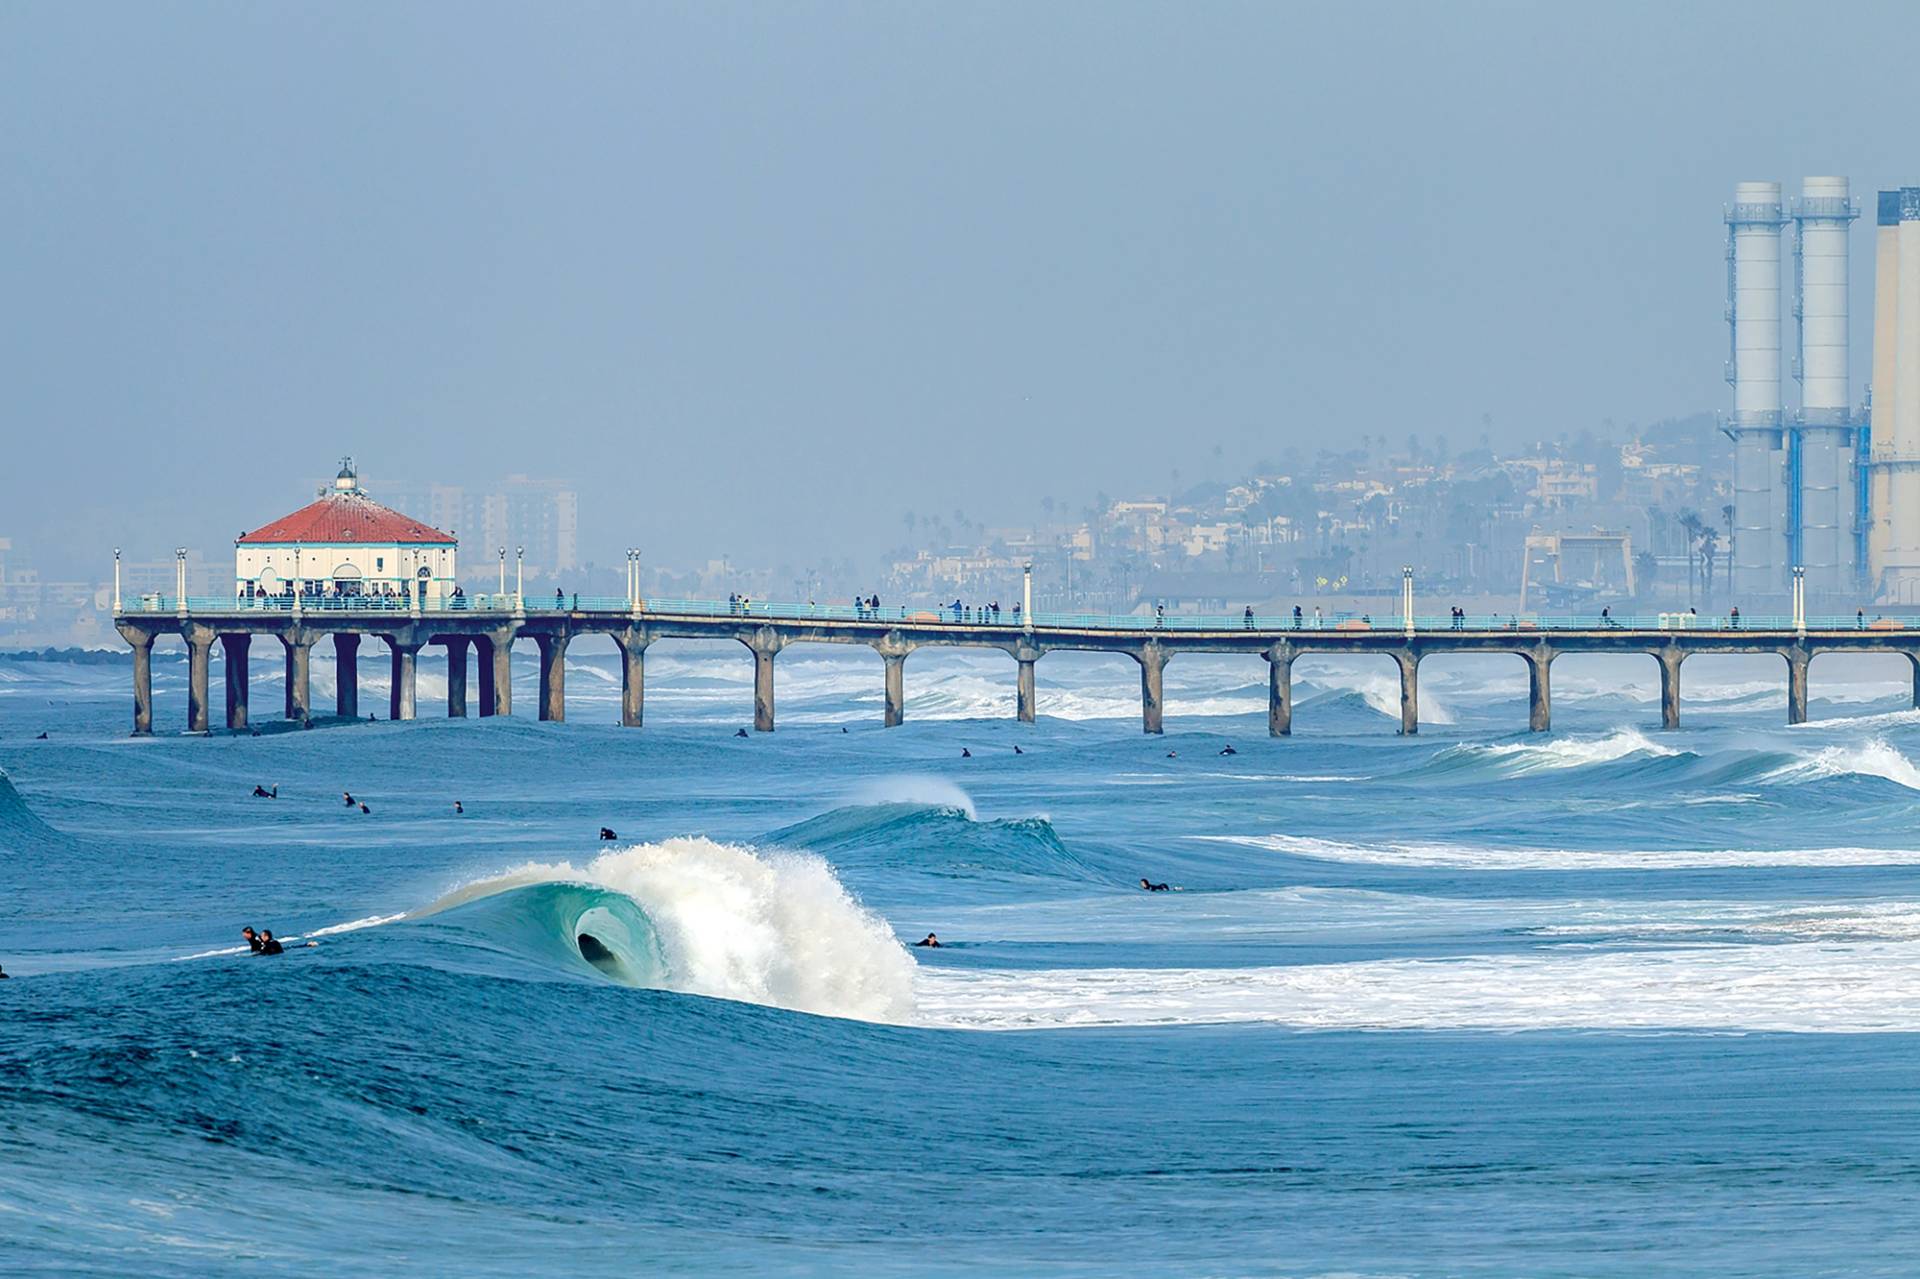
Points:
x=1609 y=1000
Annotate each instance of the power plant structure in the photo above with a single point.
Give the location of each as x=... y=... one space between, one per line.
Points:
x=1828 y=488
x=1799 y=491
x=1894 y=547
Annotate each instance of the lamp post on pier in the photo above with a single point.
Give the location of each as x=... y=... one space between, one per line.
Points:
x=1026 y=608
x=116 y=580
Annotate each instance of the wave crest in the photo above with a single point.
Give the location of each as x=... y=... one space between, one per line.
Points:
x=702 y=918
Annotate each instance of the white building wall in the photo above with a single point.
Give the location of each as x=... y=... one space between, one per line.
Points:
x=272 y=566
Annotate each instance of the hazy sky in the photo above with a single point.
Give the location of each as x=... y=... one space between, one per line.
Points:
x=760 y=277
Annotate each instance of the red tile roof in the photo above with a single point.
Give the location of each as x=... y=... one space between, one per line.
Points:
x=346 y=517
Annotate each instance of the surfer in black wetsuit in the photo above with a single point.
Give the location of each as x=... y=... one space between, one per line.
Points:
x=365 y=809
x=347 y=795
x=457 y=808
x=1228 y=749
x=739 y=732
x=268 y=946
x=930 y=941
x=261 y=792
x=254 y=944
x=1152 y=887
x=965 y=753
x=606 y=832
x=1018 y=751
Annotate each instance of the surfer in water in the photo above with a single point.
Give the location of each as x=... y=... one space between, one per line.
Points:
x=268 y=946
x=1152 y=887
x=457 y=808
x=965 y=753
x=261 y=792
x=347 y=795
x=739 y=732
x=930 y=941
x=606 y=832
x=254 y=944
x=1228 y=749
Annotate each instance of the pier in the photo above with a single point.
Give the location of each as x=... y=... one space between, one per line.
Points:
x=478 y=636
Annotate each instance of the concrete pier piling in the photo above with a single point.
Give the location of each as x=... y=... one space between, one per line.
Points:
x=1797 y=663
x=1024 y=689
x=1539 y=690
x=142 y=681
x=501 y=681
x=633 y=678
x=1279 y=691
x=400 y=693
x=895 y=713
x=199 y=652
x=553 y=676
x=764 y=642
x=1670 y=660
x=346 y=674
x=1153 y=666
x=1409 y=690
x=235 y=648
x=457 y=676
x=298 y=644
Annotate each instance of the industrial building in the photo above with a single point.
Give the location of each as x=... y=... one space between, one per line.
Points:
x=1894 y=547
x=1798 y=490
x=1830 y=487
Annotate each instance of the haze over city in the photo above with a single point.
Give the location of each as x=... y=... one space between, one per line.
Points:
x=756 y=281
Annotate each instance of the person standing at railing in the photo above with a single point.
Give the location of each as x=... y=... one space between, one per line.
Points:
x=1859 y=619
x=1249 y=617
x=1296 y=617
x=1159 y=615
x=1733 y=618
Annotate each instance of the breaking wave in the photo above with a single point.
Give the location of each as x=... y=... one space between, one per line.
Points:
x=698 y=917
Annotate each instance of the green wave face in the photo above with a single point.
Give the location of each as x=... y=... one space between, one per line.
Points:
x=576 y=927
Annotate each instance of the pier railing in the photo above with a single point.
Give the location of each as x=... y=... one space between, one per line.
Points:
x=495 y=604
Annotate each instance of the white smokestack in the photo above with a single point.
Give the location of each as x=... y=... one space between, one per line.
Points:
x=1823 y=220
x=1753 y=309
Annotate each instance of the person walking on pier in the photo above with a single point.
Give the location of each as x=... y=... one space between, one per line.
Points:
x=1859 y=619
x=1733 y=618
x=1249 y=617
x=1296 y=617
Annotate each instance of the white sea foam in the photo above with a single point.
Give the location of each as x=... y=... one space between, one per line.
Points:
x=734 y=923
x=1872 y=758
x=1481 y=857
x=1866 y=987
x=1564 y=752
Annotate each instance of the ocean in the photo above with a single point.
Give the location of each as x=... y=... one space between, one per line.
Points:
x=1478 y=1002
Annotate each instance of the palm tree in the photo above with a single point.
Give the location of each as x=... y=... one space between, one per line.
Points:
x=1709 y=545
x=1690 y=522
